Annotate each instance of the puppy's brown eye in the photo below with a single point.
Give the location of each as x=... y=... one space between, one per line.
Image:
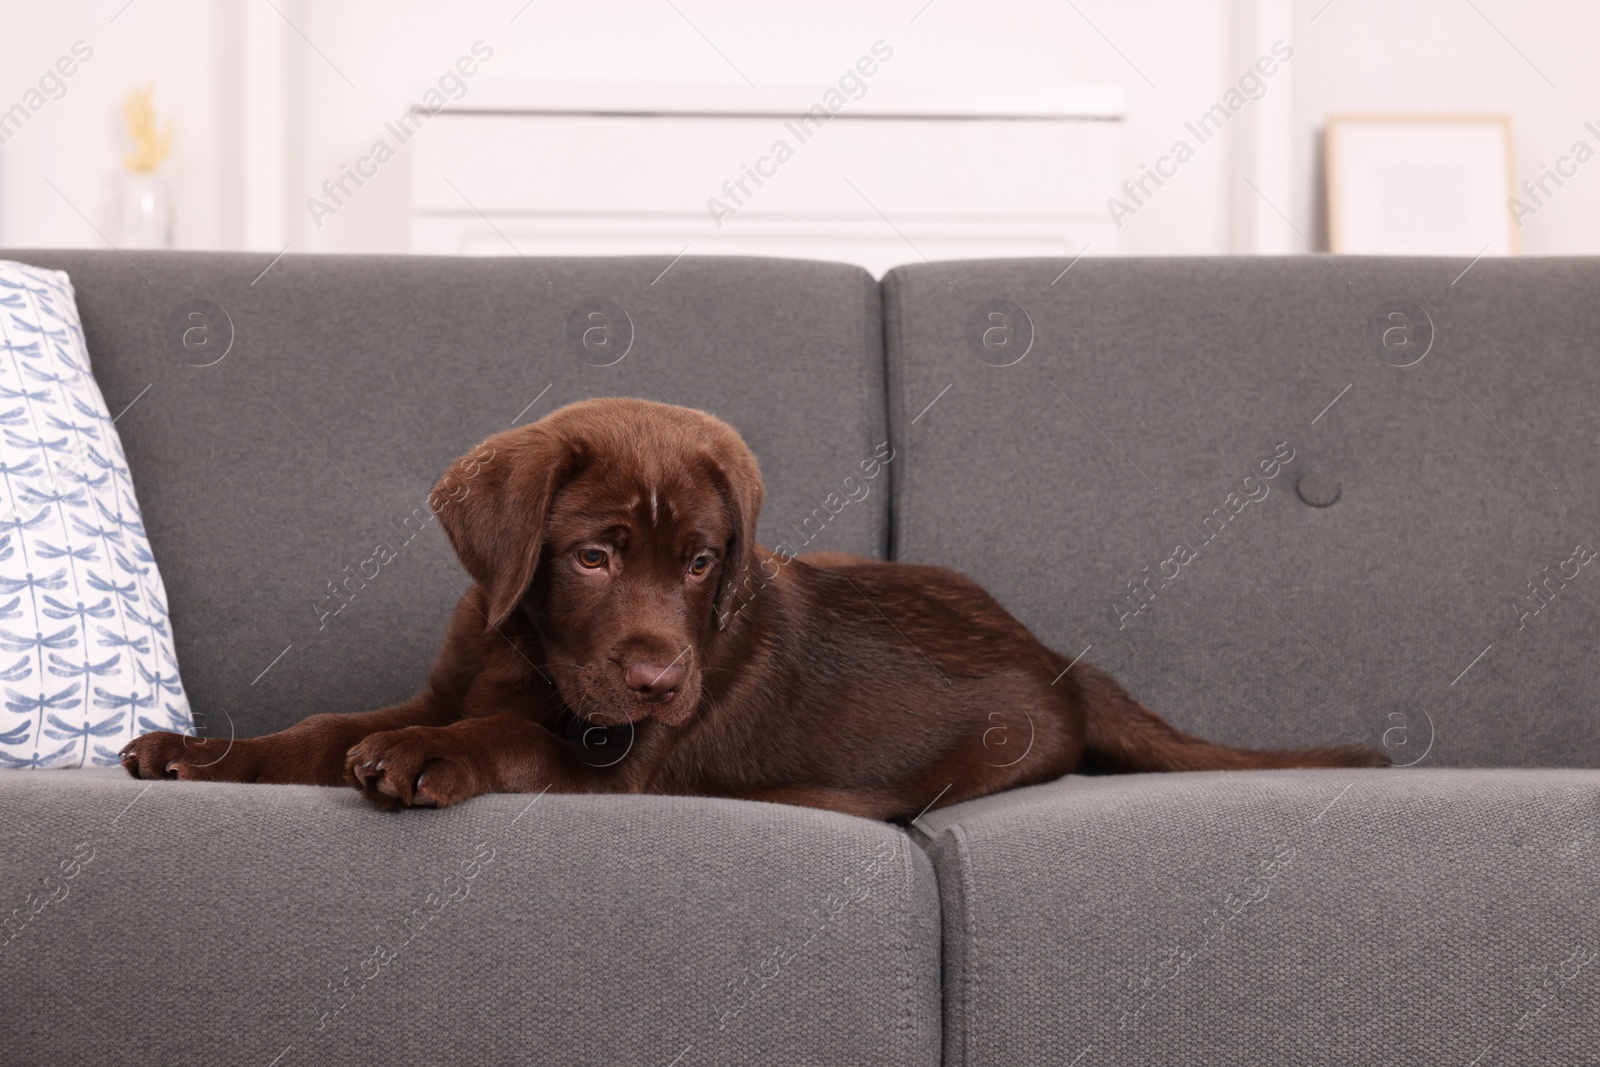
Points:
x=700 y=565
x=592 y=558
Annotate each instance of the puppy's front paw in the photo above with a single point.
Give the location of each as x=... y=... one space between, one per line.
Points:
x=419 y=767
x=192 y=759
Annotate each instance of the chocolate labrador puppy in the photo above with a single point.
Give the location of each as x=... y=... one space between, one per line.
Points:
x=626 y=634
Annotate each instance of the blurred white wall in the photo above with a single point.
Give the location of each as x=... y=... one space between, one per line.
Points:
x=318 y=91
x=58 y=170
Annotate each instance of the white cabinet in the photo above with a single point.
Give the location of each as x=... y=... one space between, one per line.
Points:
x=919 y=174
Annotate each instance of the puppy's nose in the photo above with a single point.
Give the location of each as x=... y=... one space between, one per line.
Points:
x=655 y=682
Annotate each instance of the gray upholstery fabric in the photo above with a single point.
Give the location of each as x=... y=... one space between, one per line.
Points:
x=224 y=924
x=1154 y=388
x=1404 y=918
x=352 y=382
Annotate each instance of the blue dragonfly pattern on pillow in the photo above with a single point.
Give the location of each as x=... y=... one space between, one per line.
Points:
x=86 y=655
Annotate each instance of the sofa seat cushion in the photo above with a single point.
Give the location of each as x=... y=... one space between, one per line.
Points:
x=188 y=923
x=1394 y=917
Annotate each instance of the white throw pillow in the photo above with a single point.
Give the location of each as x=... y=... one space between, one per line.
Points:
x=86 y=655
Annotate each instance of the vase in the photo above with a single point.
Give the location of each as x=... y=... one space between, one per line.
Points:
x=146 y=212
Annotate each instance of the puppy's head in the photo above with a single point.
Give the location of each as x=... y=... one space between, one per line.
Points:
x=621 y=529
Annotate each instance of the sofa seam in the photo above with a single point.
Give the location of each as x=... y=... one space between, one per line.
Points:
x=908 y=984
x=874 y=333
x=891 y=291
x=968 y=980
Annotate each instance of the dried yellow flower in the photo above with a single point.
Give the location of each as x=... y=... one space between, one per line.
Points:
x=149 y=147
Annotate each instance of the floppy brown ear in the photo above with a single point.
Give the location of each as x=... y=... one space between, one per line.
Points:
x=493 y=503
x=738 y=480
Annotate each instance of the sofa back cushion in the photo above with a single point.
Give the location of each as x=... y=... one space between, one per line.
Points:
x=296 y=420
x=1284 y=501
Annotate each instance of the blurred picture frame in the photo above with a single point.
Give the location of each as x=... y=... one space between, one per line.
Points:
x=1422 y=185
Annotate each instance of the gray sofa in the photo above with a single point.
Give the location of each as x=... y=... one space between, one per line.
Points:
x=1284 y=501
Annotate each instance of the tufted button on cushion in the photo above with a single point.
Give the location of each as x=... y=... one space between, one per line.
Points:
x=1317 y=489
